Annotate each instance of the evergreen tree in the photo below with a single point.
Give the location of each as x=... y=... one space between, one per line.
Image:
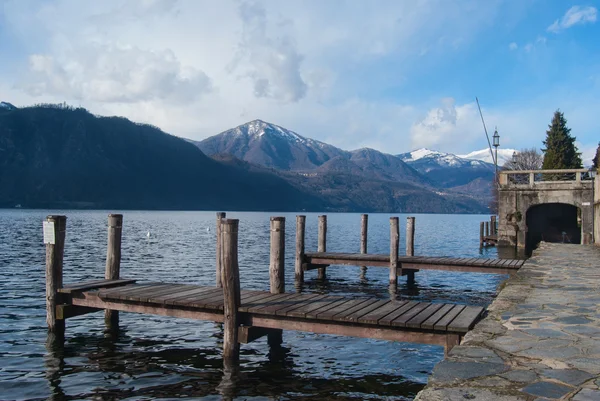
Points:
x=560 y=152
x=596 y=158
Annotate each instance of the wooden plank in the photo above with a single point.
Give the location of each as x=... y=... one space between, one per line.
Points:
x=345 y=329
x=259 y=302
x=198 y=300
x=433 y=319
x=67 y=311
x=271 y=307
x=341 y=317
x=120 y=293
x=466 y=319
x=92 y=285
x=215 y=302
x=90 y=299
x=387 y=320
x=247 y=334
x=417 y=320
x=144 y=295
x=401 y=320
x=366 y=308
x=442 y=324
x=374 y=316
x=149 y=293
x=312 y=306
x=301 y=302
x=298 y=302
x=317 y=312
x=173 y=298
x=341 y=307
x=251 y=300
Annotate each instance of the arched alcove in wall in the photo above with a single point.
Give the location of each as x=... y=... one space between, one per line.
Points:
x=552 y=222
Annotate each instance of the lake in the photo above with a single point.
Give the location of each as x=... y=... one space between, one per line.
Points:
x=154 y=357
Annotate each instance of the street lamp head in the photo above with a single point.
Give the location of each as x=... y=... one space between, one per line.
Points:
x=496 y=138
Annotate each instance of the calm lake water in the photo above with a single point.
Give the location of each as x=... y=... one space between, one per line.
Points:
x=154 y=357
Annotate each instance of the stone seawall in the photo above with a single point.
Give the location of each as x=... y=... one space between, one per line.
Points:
x=540 y=339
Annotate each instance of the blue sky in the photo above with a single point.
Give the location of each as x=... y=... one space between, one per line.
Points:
x=393 y=75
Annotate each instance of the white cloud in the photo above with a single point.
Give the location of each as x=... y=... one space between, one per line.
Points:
x=270 y=61
x=106 y=73
x=576 y=15
x=445 y=125
x=513 y=46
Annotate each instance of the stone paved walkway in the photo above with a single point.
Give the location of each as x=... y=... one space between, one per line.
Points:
x=540 y=340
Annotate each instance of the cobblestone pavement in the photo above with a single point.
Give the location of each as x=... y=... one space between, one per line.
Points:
x=540 y=340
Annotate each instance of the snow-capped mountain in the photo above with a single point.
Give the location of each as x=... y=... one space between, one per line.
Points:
x=446 y=169
x=270 y=145
x=504 y=155
x=430 y=159
x=7 y=106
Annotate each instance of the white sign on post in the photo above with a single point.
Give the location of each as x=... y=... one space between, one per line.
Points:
x=49 y=232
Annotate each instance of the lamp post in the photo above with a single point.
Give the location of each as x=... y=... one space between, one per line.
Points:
x=496 y=143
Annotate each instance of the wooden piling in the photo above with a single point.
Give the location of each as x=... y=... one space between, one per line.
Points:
x=410 y=236
x=481 y=230
x=219 y=257
x=494 y=228
x=231 y=288
x=300 y=231
x=364 y=229
x=54 y=238
x=394 y=245
x=487 y=229
x=276 y=264
x=113 y=261
x=322 y=245
x=277 y=270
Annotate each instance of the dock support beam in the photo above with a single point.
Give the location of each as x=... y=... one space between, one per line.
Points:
x=481 y=230
x=113 y=261
x=54 y=237
x=364 y=229
x=394 y=245
x=277 y=270
x=410 y=236
x=231 y=288
x=300 y=231
x=410 y=247
x=219 y=256
x=493 y=228
x=322 y=245
x=487 y=229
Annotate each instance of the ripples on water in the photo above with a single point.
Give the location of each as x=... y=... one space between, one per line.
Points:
x=154 y=357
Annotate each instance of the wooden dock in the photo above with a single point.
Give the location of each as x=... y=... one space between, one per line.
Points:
x=421 y=322
x=248 y=315
x=398 y=265
x=474 y=265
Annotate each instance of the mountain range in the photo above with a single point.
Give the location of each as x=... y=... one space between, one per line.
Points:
x=58 y=156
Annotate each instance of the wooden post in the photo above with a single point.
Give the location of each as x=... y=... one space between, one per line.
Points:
x=276 y=265
x=113 y=261
x=481 y=230
x=54 y=238
x=219 y=269
x=410 y=236
x=277 y=270
x=394 y=245
x=487 y=229
x=364 y=229
x=494 y=229
x=300 y=230
x=231 y=288
x=322 y=246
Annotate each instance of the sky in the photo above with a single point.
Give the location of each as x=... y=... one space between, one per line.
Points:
x=393 y=75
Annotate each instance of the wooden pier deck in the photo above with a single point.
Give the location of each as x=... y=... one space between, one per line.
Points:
x=421 y=322
x=247 y=315
x=314 y=260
